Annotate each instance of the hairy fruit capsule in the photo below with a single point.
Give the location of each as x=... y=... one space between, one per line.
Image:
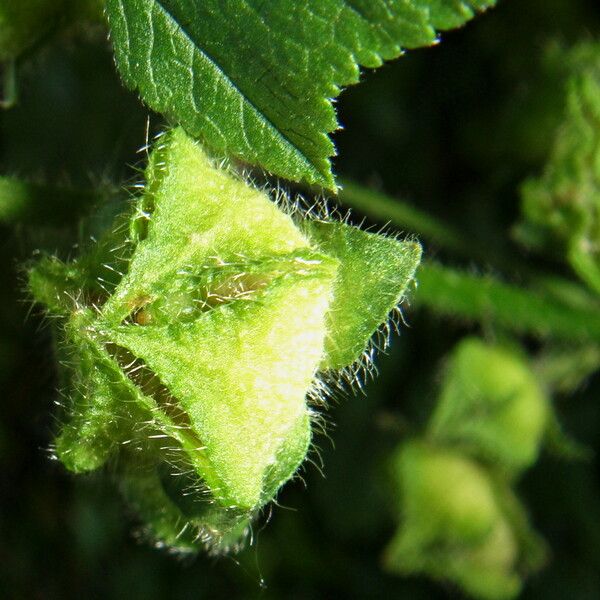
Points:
x=197 y=334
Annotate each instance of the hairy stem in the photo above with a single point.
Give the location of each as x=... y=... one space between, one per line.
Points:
x=382 y=207
x=403 y=215
x=485 y=299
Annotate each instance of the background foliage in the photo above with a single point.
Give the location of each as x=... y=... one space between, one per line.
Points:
x=453 y=129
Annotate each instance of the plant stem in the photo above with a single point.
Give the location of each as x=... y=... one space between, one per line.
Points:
x=8 y=85
x=488 y=300
x=403 y=215
x=564 y=369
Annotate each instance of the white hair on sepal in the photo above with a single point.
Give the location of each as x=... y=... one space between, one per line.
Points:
x=320 y=391
x=177 y=460
x=315 y=458
x=363 y=369
x=145 y=534
x=352 y=378
x=44 y=319
x=51 y=452
x=318 y=208
x=321 y=423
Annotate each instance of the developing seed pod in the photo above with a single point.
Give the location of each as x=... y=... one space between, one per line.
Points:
x=194 y=335
x=453 y=525
x=492 y=405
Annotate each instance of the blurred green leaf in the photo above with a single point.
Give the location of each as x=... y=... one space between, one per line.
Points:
x=563 y=204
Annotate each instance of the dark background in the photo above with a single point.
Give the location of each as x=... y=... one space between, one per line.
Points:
x=452 y=129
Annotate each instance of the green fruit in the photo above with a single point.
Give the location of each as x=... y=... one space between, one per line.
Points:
x=492 y=404
x=453 y=527
x=194 y=333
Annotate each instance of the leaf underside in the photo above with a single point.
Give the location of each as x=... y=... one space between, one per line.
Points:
x=256 y=79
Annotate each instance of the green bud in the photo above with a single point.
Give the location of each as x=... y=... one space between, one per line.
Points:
x=453 y=527
x=195 y=333
x=492 y=404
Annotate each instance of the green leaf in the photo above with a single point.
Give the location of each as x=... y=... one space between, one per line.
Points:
x=374 y=273
x=256 y=79
x=446 y=14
